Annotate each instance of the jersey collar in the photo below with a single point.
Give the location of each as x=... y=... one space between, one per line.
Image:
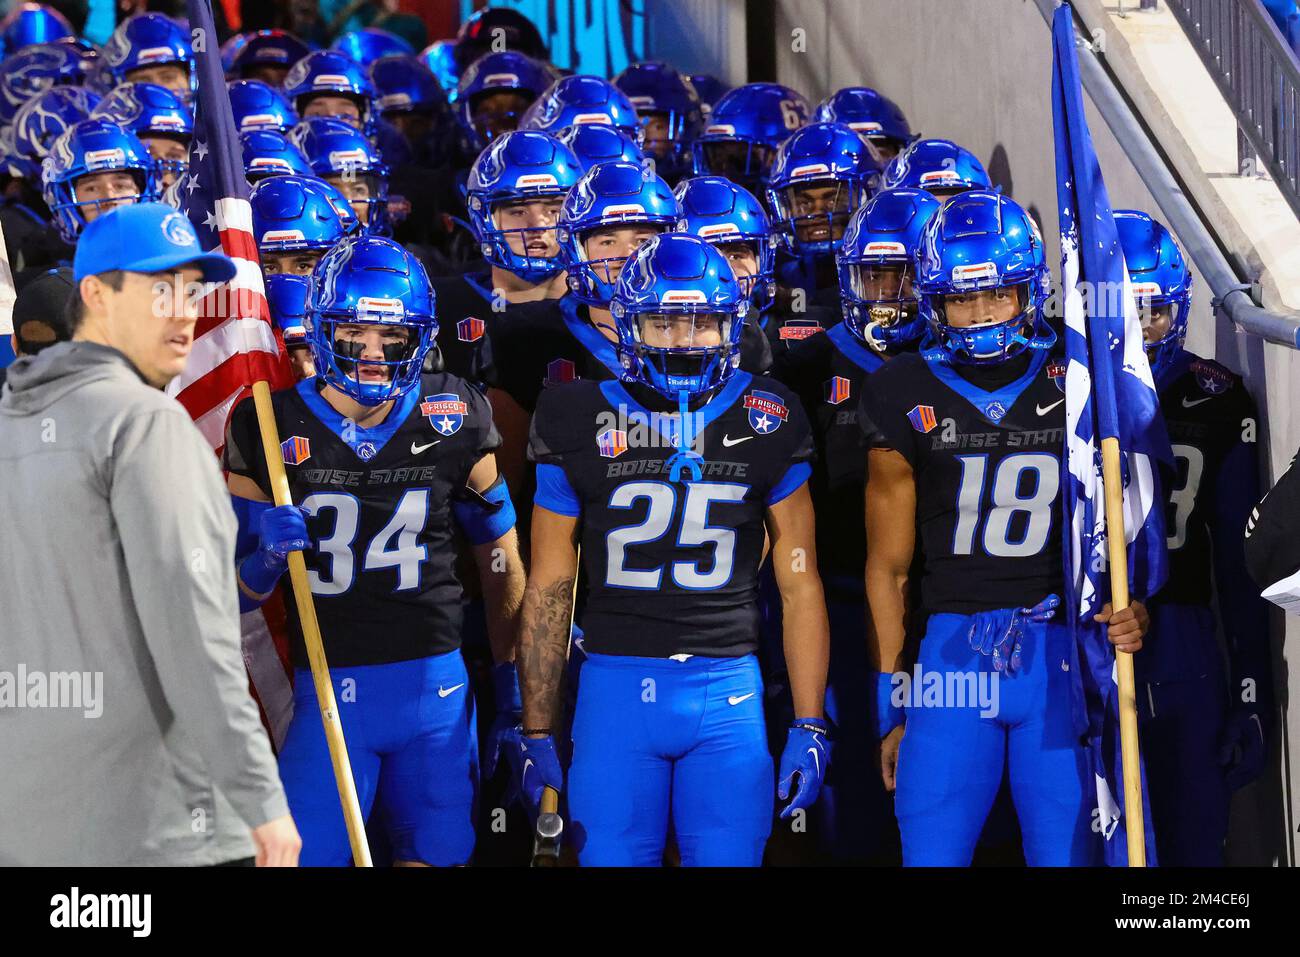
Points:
x=589 y=336
x=351 y=434
x=854 y=349
x=616 y=394
x=992 y=405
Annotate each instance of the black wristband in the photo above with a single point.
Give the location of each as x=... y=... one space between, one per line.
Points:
x=528 y=731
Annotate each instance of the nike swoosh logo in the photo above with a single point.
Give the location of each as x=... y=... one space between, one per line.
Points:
x=728 y=441
x=734 y=700
x=1044 y=411
x=1188 y=405
x=816 y=760
x=417 y=449
x=443 y=692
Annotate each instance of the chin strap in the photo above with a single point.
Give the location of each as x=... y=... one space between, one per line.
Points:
x=684 y=459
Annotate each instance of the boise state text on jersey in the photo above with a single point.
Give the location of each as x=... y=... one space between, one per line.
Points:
x=672 y=566
x=379 y=507
x=988 y=476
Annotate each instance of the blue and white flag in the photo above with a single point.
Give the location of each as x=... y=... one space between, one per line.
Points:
x=1109 y=393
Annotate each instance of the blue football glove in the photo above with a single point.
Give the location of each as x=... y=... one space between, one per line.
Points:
x=537 y=767
x=806 y=754
x=998 y=635
x=503 y=734
x=1242 y=748
x=281 y=530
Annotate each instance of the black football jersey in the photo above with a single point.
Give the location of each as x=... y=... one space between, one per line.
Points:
x=464 y=305
x=548 y=343
x=987 y=466
x=671 y=566
x=379 y=512
x=828 y=373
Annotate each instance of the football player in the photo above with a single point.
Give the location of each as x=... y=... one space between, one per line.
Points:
x=594 y=143
x=572 y=100
x=873 y=116
x=327 y=83
x=744 y=130
x=258 y=106
x=672 y=504
x=829 y=373
x=268 y=153
x=965 y=468
x=671 y=116
x=95 y=166
x=266 y=55
x=1204 y=733
x=160 y=118
x=342 y=156
x=821 y=175
x=494 y=93
x=152 y=48
x=382 y=462
x=368 y=44
x=939 y=166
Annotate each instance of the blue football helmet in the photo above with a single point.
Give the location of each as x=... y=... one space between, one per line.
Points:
x=277 y=50
x=981 y=240
x=573 y=100
x=293 y=213
x=268 y=153
x=817 y=157
x=37 y=68
x=286 y=296
x=403 y=84
x=149 y=39
x=30 y=23
x=494 y=73
x=676 y=280
x=368 y=280
x=939 y=166
x=611 y=194
x=745 y=129
x=1160 y=279
x=657 y=89
x=875 y=264
x=260 y=106
x=41 y=121
x=93 y=146
x=440 y=58
x=720 y=212
x=329 y=73
x=521 y=165
x=709 y=89
x=369 y=44
x=147 y=109
x=334 y=148
x=592 y=143
x=871 y=115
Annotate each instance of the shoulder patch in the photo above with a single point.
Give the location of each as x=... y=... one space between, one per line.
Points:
x=767 y=411
x=1056 y=372
x=1213 y=378
x=470 y=329
x=559 y=371
x=295 y=450
x=923 y=418
x=611 y=443
x=837 y=389
x=445 y=411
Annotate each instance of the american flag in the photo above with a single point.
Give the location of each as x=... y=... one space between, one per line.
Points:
x=235 y=342
x=1109 y=393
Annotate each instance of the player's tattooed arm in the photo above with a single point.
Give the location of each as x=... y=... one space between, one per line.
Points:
x=500 y=572
x=806 y=630
x=547 y=615
x=891 y=541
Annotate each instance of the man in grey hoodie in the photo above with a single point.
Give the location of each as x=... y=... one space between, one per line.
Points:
x=127 y=734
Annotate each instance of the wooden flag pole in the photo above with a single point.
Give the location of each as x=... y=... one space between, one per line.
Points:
x=320 y=671
x=1117 y=544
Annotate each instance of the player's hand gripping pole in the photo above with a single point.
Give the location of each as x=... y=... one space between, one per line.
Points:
x=549 y=830
x=1117 y=543
x=320 y=671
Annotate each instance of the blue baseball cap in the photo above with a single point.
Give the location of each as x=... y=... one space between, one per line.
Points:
x=145 y=237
